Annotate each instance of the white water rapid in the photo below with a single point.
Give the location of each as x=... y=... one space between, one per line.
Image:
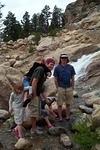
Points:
x=82 y=63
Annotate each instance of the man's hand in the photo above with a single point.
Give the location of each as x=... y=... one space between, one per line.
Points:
x=10 y=110
x=26 y=102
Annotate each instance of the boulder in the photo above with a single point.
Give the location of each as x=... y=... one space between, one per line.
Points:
x=4 y=114
x=93 y=69
x=56 y=131
x=92 y=98
x=5 y=88
x=85 y=109
x=24 y=144
x=65 y=140
x=96 y=116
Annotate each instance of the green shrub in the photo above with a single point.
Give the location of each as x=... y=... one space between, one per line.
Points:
x=37 y=38
x=53 y=32
x=85 y=137
x=31 y=49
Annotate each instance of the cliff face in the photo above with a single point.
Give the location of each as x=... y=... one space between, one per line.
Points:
x=90 y=1
x=80 y=9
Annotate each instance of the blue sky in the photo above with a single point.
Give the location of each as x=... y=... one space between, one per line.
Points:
x=18 y=7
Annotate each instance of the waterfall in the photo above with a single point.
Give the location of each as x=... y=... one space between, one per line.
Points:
x=82 y=63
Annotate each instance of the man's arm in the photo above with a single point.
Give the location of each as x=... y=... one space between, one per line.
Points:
x=34 y=86
x=55 y=74
x=56 y=82
x=72 y=82
x=37 y=75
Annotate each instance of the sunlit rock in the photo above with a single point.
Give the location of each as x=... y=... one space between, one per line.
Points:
x=4 y=114
x=65 y=140
x=24 y=144
x=96 y=116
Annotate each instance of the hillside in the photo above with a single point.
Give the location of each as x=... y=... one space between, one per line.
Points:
x=79 y=37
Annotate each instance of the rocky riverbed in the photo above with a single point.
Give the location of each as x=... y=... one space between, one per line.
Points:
x=50 y=139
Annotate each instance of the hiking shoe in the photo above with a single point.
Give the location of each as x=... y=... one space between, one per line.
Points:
x=36 y=131
x=32 y=132
x=59 y=119
x=39 y=132
x=67 y=118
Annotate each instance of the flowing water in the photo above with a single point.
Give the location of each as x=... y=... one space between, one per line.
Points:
x=82 y=63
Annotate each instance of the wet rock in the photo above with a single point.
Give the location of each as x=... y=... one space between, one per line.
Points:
x=65 y=140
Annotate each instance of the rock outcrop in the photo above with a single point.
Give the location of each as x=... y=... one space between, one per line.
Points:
x=5 y=88
x=80 y=9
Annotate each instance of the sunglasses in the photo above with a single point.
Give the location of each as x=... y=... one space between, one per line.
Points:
x=63 y=57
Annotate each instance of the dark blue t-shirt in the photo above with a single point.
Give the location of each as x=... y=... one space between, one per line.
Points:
x=64 y=74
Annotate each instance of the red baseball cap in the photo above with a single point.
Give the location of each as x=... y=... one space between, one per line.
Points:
x=50 y=60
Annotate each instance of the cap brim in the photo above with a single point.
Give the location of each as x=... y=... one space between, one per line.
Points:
x=64 y=56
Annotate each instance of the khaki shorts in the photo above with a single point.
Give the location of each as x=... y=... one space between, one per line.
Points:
x=34 y=107
x=65 y=96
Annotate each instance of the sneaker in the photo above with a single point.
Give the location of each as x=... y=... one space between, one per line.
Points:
x=67 y=118
x=60 y=120
x=32 y=132
x=51 y=126
x=39 y=132
x=36 y=131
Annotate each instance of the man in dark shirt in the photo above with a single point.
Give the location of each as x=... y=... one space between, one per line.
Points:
x=27 y=79
x=64 y=81
x=37 y=81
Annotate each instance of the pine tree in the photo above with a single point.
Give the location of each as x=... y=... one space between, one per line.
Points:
x=46 y=14
x=35 y=22
x=56 y=21
x=1 y=21
x=63 y=19
x=12 y=28
x=41 y=27
x=26 y=26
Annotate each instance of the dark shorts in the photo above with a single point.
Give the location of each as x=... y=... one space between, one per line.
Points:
x=26 y=83
x=43 y=112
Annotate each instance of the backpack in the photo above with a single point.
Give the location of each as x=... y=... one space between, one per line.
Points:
x=35 y=65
